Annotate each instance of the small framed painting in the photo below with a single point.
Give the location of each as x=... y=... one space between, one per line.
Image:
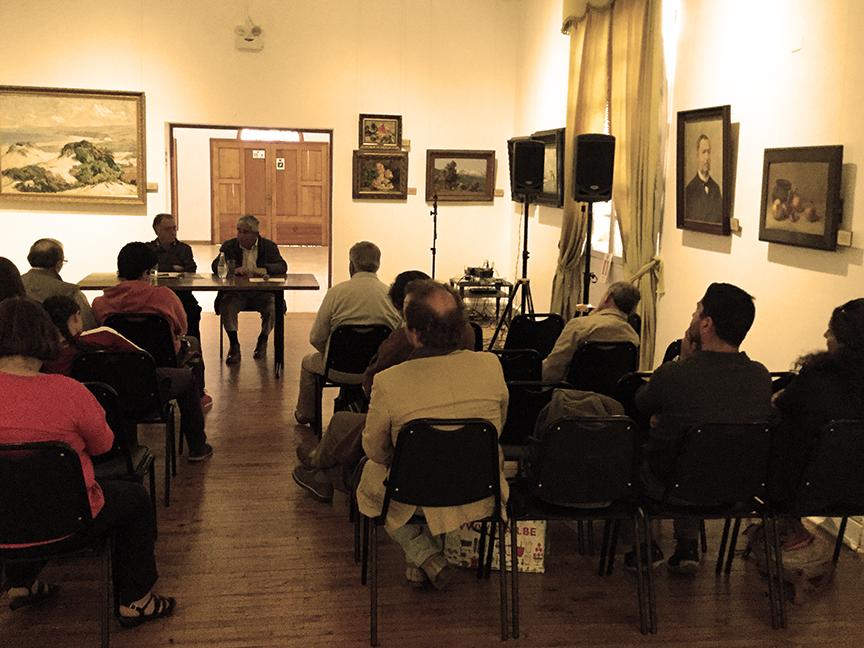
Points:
x=460 y=176
x=704 y=170
x=801 y=203
x=381 y=131
x=380 y=175
x=552 y=193
x=82 y=146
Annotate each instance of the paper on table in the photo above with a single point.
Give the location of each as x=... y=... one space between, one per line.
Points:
x=265 y=279
x=169 y=274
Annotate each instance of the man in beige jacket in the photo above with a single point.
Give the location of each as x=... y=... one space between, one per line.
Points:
x=437 y=381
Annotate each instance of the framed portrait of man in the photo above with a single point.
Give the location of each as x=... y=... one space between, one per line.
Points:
x=704 y=165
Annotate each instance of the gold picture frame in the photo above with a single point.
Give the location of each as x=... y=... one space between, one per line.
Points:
x=71 y=145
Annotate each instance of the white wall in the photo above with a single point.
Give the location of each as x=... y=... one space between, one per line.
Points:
x=791 y=72
x=447 y=66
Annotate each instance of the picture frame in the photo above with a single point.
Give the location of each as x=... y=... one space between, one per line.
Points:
x=380 y=175
x=460 y=176
x=704 y=174
x=553 y=167
x=801 y=196
x=72 y=145
x=380 y=131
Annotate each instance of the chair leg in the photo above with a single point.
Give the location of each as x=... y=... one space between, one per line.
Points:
x=364 y=551
x=318 y=422
x=839 y=544
x=151 y=475
x=481 y=550
x=604 y=547
x=221 y=337
x=613 y=545
x=641 y=563
x=356 y=523
x=733 y=543
x=589 y=531
x=514 y=578
x=703 y=537
x=721 y=552
x=652 y=601
x=373 y=586
x=781 y=587
x=107 y=608
x=502 y=578
x=171 y=419
x=770 y=564
x=491 y=549
x=580 y=537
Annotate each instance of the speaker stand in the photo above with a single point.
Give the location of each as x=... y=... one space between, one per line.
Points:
x=434 y=215
x=523 y=285
x=589 y=277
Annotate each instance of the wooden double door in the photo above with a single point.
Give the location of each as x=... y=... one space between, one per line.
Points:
x=286 y=185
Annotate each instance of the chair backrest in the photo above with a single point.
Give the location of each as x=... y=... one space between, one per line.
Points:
x=132 y=374
x=351 y=347
x=44 y=497
x=673 y=350
x=444 y=462
x=478 y=336
x=598 y=366
x=526 y=400
x=537 y=331
x=722 y=463
x=585 y=459
x=149 y=331
x=834 y=476
x=625 y=393
x=520 y=364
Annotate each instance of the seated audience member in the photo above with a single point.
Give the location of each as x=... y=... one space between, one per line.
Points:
x=46 y=258
x=181 y=383
x=437 y=381
x=711 y=381
x=829 y=386
x=250 y=255
x=607 y=323
x=331 y=462
x=360 y=300
x=176 y=256
x=135 y=294
x=56 y=408
x=10 y=280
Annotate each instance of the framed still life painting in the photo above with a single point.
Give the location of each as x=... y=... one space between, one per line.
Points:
x=84 y=146
x=380 y=131
x=380 y=175
x=801 y=201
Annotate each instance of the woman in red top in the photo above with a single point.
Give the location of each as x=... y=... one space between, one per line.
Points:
x=56 y=408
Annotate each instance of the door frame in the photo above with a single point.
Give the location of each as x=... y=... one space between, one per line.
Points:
x=172 y=170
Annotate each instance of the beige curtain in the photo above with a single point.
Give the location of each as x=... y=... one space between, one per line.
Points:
x=638 y=122
x=587 y=97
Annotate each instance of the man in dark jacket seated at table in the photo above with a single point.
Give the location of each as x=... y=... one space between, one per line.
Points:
x=176 y=256
x=711 y=381
x=250 y=255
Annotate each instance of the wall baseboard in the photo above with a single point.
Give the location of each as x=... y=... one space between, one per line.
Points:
x=854 y=536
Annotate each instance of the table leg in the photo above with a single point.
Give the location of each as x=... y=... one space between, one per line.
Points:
x=279 y=333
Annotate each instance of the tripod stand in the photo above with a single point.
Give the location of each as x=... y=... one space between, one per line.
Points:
x=434 y=215
x=523 y=285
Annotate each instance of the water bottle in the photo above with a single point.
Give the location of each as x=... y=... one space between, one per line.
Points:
x=154 y=279
x=222 y=266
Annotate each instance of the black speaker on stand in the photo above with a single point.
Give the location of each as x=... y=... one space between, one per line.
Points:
x=593 y=167
x=526 y=180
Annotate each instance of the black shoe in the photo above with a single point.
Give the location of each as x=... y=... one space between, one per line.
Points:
x=305 y=479
x=656 y=557
x=685 y=560
x=233 y=356
x=260 y=348
x=202 y=454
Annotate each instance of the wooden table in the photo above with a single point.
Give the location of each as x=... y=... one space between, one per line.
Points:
x=207 y=282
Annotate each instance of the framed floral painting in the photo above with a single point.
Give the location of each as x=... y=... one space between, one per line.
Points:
x=381 y=131
x=380 y=175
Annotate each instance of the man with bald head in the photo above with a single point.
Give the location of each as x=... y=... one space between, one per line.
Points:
x=439 y=380
x=46 y=258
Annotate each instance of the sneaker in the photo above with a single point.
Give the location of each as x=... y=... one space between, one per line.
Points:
x=685 y=560
x=206 y=402
x=302 y=420
x=438 y=570
x=656 y=557
x=306 y=478
x=203 y=454
x=416 y=577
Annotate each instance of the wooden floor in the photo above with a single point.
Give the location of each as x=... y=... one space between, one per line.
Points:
x=255 y=562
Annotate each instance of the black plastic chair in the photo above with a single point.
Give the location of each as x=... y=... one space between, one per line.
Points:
x=132 y=374
x=478 y=336
x=598 y=366
x=150 y=331
x=127 y=460
x=441 y=462
x=520 y=364
x=594 y=461
x=349 y=351
x=537 y=331
x=721 y=471
x=45 y=498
